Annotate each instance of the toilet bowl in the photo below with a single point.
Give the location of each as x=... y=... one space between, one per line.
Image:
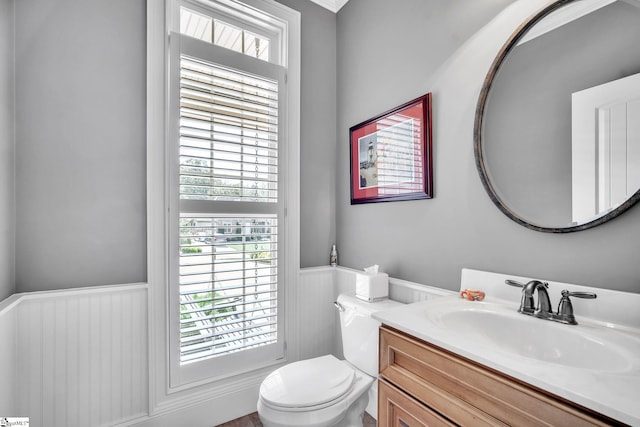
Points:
x=325 y=391
x=318 y=392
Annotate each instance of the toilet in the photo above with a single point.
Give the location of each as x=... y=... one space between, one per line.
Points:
x=325 y=391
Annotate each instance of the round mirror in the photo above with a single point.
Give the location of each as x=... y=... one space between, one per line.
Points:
x=557 y=131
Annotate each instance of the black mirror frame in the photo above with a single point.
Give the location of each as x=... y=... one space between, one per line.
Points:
x=479 y=121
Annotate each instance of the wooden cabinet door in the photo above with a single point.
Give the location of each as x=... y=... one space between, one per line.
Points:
x=397 y=409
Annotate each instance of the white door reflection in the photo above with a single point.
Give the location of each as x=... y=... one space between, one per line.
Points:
x=605 y=147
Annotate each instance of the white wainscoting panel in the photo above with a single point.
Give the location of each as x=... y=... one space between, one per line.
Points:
x=82 y=356
x=8 y=358
x=317 y=313
x=408 y=292
x=399 y=290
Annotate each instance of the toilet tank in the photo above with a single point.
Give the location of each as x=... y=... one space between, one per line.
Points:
x=360 y=331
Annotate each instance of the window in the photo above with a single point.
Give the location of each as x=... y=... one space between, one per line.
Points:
x=223 y=34
x=227 y=152
x=228 y=274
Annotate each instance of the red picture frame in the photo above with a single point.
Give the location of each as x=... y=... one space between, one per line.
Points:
x=391 y=155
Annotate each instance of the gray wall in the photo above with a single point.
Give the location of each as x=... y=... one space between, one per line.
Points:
x=80 y=143
x=81 y=170
x=317 y=129
x=7 y=203
x=391 y=52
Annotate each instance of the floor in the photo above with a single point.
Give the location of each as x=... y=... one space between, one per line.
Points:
x=252 y=420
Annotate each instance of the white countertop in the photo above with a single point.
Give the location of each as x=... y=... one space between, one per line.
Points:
x=614 y=391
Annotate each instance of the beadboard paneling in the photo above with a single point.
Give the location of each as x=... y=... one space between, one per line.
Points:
x=82 y=356
x=317 y=313
x=399 y=290
x=8 y=359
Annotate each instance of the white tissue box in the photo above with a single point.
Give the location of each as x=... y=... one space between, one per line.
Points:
x=372 y=286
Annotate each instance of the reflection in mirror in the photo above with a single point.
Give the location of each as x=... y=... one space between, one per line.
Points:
x=558 y=124
x=605 y=117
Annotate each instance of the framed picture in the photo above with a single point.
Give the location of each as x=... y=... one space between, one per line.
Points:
x=391 y=155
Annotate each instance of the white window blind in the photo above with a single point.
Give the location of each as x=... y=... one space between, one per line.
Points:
x=228 y=231
x=228 y=285
x=228 y=134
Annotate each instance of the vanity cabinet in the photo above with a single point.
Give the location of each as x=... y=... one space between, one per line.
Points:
x=424 y=385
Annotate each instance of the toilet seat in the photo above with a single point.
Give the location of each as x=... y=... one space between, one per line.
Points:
x=308 y=384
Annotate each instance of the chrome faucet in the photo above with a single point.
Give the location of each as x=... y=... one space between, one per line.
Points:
x=527 y=304
x=543 y=309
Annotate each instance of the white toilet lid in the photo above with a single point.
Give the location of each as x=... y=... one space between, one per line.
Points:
x=308 y=383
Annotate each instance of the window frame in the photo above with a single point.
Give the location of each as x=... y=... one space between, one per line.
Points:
x=229 y=365
x=164 y=393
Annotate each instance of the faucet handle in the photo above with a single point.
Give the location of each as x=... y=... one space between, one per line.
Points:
x=565 y=308
x=527 y=305
x=531 y=285
x=514 y=283
x=587 y=295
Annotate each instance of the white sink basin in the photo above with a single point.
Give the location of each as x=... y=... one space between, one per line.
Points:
x=494 y=325
x=506 y=330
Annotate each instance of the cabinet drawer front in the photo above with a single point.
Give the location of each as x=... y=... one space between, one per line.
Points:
x=458 y=387
x=396 y=409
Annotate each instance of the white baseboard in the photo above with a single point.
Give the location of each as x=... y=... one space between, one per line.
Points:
x=205 y=413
